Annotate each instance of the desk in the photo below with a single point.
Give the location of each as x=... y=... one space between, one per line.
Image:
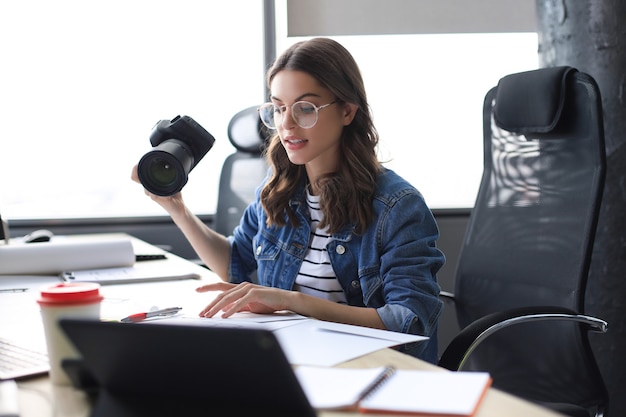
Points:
x=37 y=395
x=39 y=398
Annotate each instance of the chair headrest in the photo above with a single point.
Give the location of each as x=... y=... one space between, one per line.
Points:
x=531 y=101
x=246 y=131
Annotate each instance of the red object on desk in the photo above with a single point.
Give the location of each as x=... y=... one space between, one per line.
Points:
x=134 y=318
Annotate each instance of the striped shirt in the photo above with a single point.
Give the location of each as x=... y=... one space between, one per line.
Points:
x=316 y=276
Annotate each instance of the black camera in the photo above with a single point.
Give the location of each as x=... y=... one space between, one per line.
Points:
x=179 y=144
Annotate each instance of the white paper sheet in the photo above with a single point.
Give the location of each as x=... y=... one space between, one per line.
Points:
x=320 y=343
x=308 y=341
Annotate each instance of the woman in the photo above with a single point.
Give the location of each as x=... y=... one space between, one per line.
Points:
x=332 y=234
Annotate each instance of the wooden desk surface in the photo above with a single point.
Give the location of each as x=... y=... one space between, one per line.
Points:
x=39 y=398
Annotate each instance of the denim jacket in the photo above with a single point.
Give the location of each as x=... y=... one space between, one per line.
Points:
x=391 y=267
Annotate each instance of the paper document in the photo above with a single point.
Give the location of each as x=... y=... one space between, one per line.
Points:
x=396 y=337
x=322 y=343
x=245 y=320
x=308 y=341
x=388 y=390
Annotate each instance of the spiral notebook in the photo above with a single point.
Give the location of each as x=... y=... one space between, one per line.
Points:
x=395 y=391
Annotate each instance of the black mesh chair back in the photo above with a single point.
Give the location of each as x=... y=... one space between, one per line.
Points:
x=243 y=170
x=530 y=236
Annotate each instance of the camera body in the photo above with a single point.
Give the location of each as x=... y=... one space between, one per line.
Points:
x=178 y=145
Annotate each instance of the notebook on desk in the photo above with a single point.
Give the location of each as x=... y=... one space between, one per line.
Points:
x=147 y=268
x=158 y=369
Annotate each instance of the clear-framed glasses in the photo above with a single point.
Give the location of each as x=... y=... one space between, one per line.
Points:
x=304 y=113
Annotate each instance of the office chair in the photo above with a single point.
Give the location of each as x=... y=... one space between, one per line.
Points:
x=243 y=170
x=521 y=277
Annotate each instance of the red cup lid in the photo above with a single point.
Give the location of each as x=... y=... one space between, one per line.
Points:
x=71 y=293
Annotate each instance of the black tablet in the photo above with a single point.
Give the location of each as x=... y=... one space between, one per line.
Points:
x=149 y=369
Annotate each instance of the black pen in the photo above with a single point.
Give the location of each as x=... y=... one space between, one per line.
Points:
x=134 y=318
x=13 y=289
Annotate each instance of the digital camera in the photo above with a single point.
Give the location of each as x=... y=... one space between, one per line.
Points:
x=178 y=145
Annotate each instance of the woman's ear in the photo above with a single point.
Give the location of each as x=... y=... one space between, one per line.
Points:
x=349 y=111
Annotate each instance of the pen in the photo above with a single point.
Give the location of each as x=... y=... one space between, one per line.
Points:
x=139 y=258
x=134 y=318
x=14 y=290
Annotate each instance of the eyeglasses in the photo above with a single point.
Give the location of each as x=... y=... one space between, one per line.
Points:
x=303 y=113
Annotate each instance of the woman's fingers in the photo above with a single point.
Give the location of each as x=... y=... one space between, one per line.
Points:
x=216 y=286
x=221 y=300
x=242 y=297
x=134 y=175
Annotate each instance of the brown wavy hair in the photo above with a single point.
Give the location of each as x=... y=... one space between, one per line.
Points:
x=346 y=194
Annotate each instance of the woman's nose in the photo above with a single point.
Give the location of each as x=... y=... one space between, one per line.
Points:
x=288 y=120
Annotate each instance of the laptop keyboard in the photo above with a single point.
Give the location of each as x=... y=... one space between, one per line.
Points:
x=18 y=362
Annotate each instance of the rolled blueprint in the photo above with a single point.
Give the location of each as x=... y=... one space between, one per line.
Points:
x=55 y=257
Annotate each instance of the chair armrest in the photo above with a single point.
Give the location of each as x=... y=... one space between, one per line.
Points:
x=446 y=296
x=458 y=351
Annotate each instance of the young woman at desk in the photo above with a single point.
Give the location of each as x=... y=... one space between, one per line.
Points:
x=332 y=234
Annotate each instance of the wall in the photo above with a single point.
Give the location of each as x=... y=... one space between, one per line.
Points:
x=375 y=17
x=590 y=36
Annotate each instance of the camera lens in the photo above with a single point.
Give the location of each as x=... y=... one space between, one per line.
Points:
x=164 y=170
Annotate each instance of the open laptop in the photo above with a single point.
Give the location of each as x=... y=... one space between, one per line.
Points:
x=147 y=369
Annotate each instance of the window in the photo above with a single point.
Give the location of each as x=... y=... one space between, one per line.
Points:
x=426 y=93
x=427 y=66
x=83 y=83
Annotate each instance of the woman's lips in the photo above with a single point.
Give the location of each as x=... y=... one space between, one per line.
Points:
x=294 y=143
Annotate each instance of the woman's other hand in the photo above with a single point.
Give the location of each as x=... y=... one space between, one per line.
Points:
x=171 y=204
x=244 y=297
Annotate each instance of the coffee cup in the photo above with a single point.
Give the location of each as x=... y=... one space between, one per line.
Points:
x=66 y=300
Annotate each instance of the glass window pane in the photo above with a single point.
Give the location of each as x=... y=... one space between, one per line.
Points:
x=83 y=83
x=426 y=93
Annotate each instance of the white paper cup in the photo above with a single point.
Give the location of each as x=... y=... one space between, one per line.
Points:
x=66 y=300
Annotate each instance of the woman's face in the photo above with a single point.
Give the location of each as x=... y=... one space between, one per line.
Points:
x=316 y=147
